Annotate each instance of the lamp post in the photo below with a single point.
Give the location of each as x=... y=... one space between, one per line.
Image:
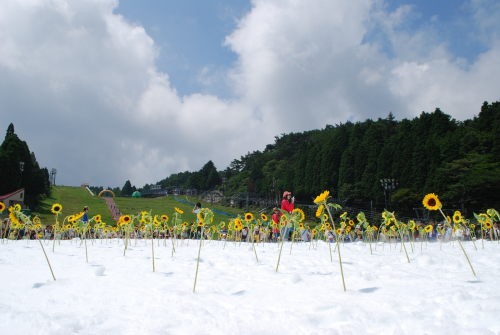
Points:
x=389 y=184
x=224 y=182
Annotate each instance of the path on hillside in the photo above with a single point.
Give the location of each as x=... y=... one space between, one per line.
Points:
x=113 y=209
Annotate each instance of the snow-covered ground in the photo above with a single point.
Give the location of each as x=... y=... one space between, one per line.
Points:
x=114 y=294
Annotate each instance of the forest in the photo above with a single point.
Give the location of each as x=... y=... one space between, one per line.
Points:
x=458 y=160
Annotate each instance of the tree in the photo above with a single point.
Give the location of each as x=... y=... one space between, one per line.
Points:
x=10 y=131
x=127 y=188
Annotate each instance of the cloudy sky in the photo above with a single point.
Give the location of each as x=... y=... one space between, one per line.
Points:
x=108 y=90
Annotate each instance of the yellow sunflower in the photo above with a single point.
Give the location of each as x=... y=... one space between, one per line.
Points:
x=2 y=207
x=472 y=226
x=200 y=224
x=351 y=223
x=411 y=224
x=457 y=217
x=98 y=218
x=301 y=225
x=248 y=217
x=322 y=197
x=428 y=228
x=320 y=210
x=185 y=224
x=325 y=217
x=314 y=231
x=345 y=213
x=164 y=217
x=431 y=202
x=36 y=220
x=338 y=231
x=56 y=208
x=178 y=210
x=12 y=216
x=301 y=212
x=17 y=207
x=487 y=224
x=263 y=217
x=126 y=219
x=448 y=219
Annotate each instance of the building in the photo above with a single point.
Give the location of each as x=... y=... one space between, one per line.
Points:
x=159 y=192
x=85 y=185
x=13 y=198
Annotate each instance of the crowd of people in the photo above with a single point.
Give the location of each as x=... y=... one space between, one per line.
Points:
x=258 y=233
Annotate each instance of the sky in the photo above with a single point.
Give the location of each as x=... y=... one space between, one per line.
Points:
x=107 y=91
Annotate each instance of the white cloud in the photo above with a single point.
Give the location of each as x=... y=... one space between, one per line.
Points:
x=81 y=86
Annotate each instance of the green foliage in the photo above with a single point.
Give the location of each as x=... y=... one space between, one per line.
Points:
x=33 y=179
x=430 y=153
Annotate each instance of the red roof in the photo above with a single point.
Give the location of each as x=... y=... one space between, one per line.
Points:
x=2 y=197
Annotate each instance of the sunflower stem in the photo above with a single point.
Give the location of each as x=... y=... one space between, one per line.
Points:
x=453 y=232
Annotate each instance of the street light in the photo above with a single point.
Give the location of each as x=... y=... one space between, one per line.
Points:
x=389 y=184
x=21 y=165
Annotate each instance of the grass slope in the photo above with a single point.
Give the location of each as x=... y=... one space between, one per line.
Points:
x=166 y=205
x=73 y=199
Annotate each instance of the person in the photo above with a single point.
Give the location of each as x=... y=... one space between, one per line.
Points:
x=196 y=210
x=276 y=221
x=433 y=232
x=306 y=234
x=244 y=234
x=85 y=218
x=287 y=204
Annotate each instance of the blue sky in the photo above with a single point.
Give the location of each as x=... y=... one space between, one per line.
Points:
x=189 y=35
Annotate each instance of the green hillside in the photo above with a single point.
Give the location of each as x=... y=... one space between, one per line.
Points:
x=73 y=199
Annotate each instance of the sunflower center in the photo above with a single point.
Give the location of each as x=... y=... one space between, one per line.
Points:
x=432 y=202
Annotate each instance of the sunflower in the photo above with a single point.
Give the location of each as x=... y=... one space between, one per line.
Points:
x=78 y=216
x=263 y=217
x=185 y=224
x=472 y=226
x=351 y=223
x=320 y=210
x=178 y=210
x=301 y=212
x=164 y=217
x=98 y=218
x=322 y=197
x=17 y=207
x=328 y=224
x=126 y=219
x=348 y=229
x=487 y=224
x=428 y=228
x=2 y=207
x=248 y=217
x=12 y=216
x=325 y=217
x=431 y=202
x=301 y=225
x=457 y=217
x=338 y=231
x=411 y=224
x=345 y=213
x=200 y=224
x=314 y=231
x=56 y=208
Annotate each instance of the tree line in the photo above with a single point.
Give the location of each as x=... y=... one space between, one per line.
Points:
x=459 y=160
x=20 y=169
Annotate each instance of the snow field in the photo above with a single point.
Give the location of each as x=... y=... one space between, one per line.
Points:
x=114 y=294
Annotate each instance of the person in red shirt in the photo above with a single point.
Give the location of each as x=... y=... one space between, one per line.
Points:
x=276 y=221
x=287 y=205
